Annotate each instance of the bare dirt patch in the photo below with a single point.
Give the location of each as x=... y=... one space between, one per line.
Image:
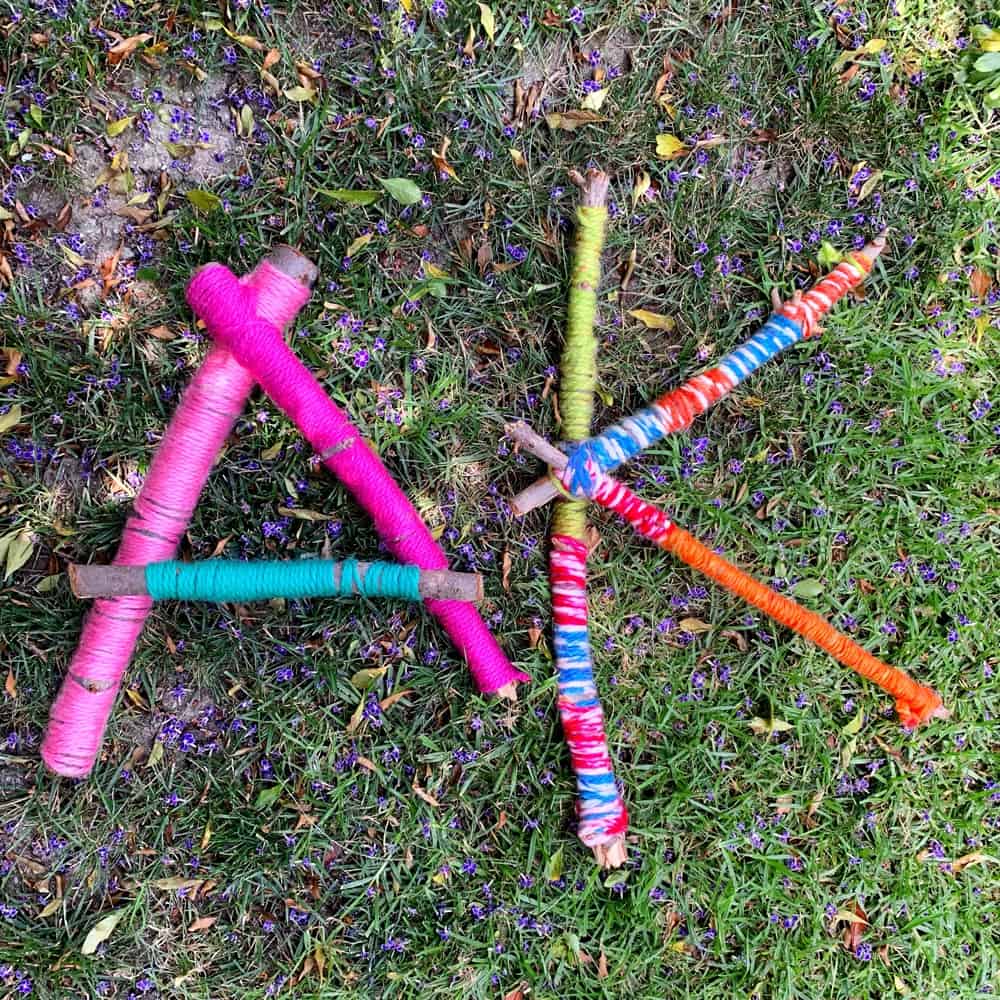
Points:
x=180 y=137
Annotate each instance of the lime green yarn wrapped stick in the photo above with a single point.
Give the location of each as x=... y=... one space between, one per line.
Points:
x=578 y=375
x=232 y=580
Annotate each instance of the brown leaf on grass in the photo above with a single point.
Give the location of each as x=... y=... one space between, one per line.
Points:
x=469 y=48
x=425 y=796
x=627 y=269
x=10 y=685
x=386 y=703
x=738 y=637
x=980 y=282
x=441 y=163
x=602 y=965
x=850 y=73
x=534 y=637
x=967 y=860
x=856 y=920
x=125 y=48
x=505 y=573
x=763 y=135
x=13 y=359
x=202 y=924
x=551 y=20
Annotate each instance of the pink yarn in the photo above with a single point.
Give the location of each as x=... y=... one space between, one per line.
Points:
x=228 y=311
x=204 y=418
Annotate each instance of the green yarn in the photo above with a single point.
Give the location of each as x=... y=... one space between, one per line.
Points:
x=578 y=376
x=231 y=580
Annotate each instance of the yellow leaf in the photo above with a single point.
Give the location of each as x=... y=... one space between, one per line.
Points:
x=654 y=321
x=518 y=157
x=594 y=100
x=900 y=985
x=359 y=244
x=570 y=121
x=640 y=187
x=300 y=93
x=407 y=6
x=51 y=907
x=117 y=127
x=665 y=101
x=433 y=271
x=869 y=185
x=874 y=45
x=13 y=416
x=155 y=755
x=206 y=837
x=764 y=727
x=669 y=147
x=487 y=20
x=101 y=931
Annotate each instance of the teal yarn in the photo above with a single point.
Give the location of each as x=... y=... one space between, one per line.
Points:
x=231 y=580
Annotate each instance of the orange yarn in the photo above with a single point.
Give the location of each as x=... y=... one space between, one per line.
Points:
x=915 y=702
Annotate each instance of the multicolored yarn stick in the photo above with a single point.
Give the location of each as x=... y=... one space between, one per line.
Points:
x=227 y=309
x=675 y=411
x=602 y=815
x=232 y=580
x=204 y=419
x=915 y=703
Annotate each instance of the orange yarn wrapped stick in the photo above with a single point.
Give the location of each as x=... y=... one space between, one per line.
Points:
x=915 y=702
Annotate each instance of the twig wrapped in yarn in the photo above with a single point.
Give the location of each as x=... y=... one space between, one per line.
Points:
x=295 y=579
x=603 y=819
x=279 y=287
x=220 y=300
x=674 y=411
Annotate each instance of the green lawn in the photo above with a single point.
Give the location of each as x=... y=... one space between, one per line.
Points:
x=247 y=842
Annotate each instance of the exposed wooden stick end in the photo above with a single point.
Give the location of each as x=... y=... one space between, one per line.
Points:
x=507 y=693
x=296 y=265
x=538 y=494
x=107 y=581
x=444 y=585
x=536 y=445
x=613 y=854
x=593 y=187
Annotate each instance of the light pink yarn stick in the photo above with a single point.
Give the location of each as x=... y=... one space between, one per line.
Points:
x=227 y=310
x=204 y=419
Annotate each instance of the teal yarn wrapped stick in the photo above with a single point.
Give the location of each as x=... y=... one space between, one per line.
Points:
x=233 y=580
x=228 y=580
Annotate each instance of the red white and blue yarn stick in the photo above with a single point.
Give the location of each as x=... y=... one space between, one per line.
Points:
x=603 y=818
x=915 y=703
x=674 y=411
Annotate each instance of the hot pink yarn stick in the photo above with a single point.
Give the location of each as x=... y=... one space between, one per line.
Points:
x=204 y=419
x=228 y=311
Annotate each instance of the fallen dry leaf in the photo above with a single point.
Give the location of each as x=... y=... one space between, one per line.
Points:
x=505 y=575
x=856 y=924
x=441 y=163
x=10 y=685
x=980 y=282
x=125 y=48
x=570 y=121
x=202 y=924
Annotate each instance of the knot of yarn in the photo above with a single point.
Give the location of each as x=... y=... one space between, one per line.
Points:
x=581 y=471
x=228 y=308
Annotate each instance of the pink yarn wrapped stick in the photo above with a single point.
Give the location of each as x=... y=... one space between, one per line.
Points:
x=279 y=287
x=227 y=308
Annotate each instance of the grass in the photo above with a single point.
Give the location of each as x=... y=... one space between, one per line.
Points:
x=250 y=844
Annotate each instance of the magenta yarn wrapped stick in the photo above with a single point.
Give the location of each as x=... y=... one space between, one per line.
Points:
x=279 y=287
x=226 y=306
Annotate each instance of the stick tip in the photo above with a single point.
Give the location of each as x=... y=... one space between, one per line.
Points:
x=612 y=854
x=293 y=263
